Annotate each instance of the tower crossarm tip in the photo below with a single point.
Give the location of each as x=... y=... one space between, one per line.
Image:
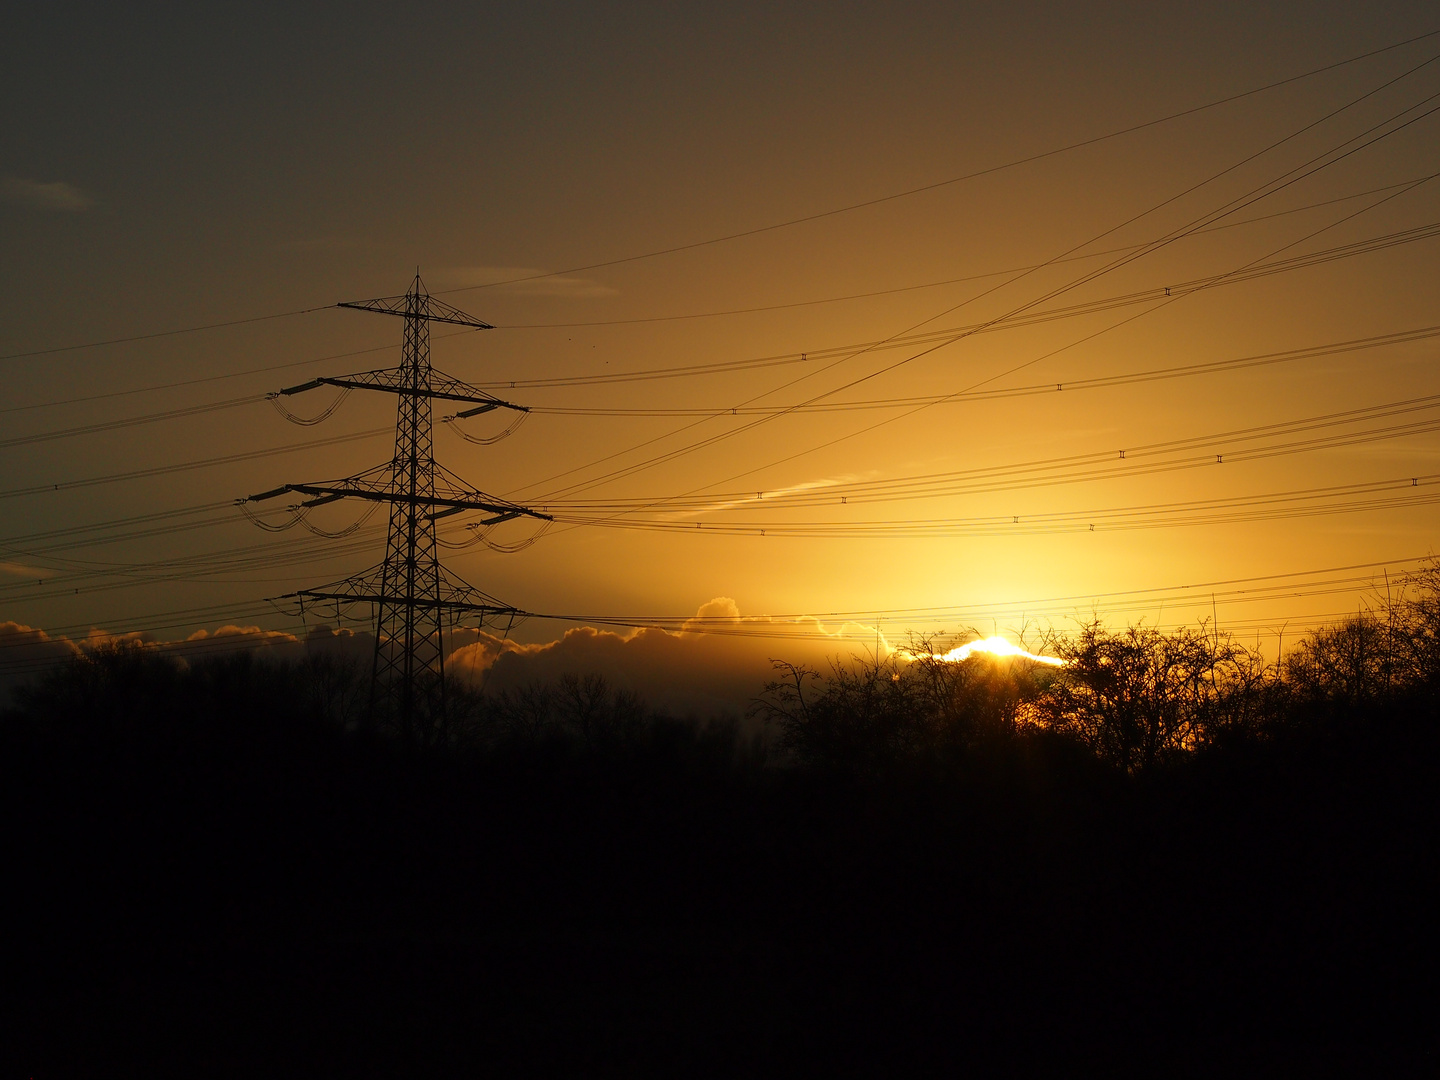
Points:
x=479 y=397
x=268 y=494
x=311 y=385
x=449 y=388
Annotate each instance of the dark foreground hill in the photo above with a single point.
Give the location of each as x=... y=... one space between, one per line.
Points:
x=203 y=879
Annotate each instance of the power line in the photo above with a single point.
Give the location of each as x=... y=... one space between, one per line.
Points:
x=776 y=225
x=1341 y=499
x=197 y=382
x=1068 y=469
x=1369 y=245
x=181 y=383
x=131 y=421
x=187 y=466
x=951 y=181
x=410 y=592
x=1054 y=352
x=169 y=333
x=1046 y=472
x=1064 y=386
x=937 y=284
x=193 y=568
x=1250 y=198
x=347 y=437
x=1255 y=195
x=134 y=519
x=1227 y=591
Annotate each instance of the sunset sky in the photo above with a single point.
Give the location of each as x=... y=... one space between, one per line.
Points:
x=865 y=265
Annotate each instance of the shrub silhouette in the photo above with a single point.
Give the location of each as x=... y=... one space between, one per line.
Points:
x=1140 y=696
x=1393 y=646
x=584 y=711
x=1352 y=661
x=1415 y=620
x=868 y=714
x=1136 y=698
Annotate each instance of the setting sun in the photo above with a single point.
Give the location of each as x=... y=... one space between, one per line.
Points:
x=996 y=646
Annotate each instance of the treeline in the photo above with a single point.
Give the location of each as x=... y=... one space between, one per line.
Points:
x=1168 y=854
x=1138 y=698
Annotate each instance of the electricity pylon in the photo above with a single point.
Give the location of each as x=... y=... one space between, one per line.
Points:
x=411 y=593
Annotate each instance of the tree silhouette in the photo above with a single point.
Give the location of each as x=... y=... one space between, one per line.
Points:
x=870 y=713
x=1141 y=696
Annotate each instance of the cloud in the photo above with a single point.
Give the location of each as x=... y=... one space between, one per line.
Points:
x=803 y=488
x=721 y=609
x=340 y=643
x=466 y=277
x=45 y=195
x=20 y=570
x=230 y=639
x=26 y=651
x=716 y=664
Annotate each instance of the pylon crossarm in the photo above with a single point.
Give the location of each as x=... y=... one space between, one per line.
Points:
x=479 y=397
x=388 y=380
x=311 y=385
x=325 y=493
x=419 y=602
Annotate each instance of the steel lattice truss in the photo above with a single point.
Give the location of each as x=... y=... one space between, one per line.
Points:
x=419 y=305
x=412 y=594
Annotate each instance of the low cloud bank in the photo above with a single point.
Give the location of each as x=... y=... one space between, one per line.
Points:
x=715 y=664
x=44 y=194
x=28 y=653
x=25 y=650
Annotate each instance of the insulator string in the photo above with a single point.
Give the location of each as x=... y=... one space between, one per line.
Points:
x=315 y=530
x=519 y=545
x=487 y=440
x=256 y=520
x=311 y=421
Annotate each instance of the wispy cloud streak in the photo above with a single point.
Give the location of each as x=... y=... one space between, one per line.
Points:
x=563 y=286
x=45 y=194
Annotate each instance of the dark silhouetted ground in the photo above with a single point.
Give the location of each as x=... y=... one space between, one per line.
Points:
x=202 y=880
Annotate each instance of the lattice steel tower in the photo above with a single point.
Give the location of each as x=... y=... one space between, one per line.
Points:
x=412 y=595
